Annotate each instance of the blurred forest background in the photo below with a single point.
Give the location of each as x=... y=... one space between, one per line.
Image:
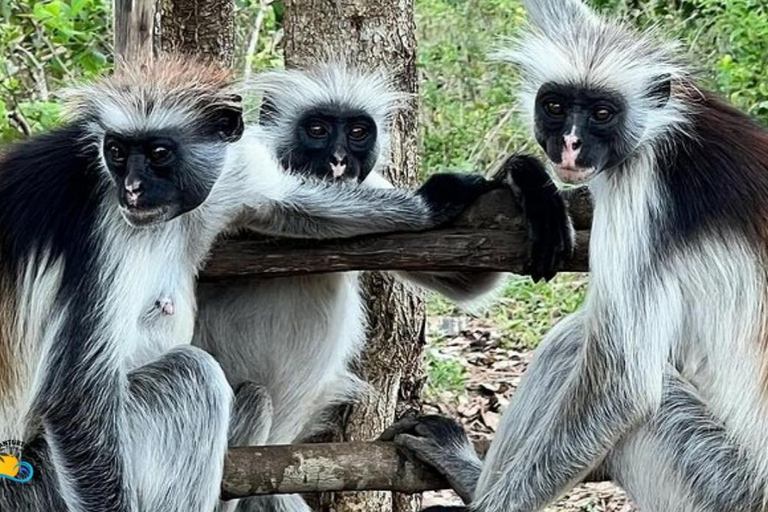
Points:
x=467 y=123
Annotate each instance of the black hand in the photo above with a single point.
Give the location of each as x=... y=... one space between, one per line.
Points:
x=442 y=444
x=448 y=194
x=546 y=213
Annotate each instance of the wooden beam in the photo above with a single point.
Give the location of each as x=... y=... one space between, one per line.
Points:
x=134 y=30
x=331 y=467
x=491 y=236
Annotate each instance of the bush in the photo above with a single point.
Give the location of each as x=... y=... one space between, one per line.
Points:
x=44 y=46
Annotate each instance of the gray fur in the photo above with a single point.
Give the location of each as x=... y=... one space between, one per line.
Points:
x=298 y=336
x=648 y=308
x=157 y=409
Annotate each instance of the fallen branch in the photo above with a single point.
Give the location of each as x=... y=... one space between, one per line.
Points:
x=491 y=236
x=314 y=468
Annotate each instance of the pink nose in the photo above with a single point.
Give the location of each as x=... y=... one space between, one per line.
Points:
x=571 y=149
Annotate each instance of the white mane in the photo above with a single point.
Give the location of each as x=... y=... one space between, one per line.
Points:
x=293 y=92
x=567 y=43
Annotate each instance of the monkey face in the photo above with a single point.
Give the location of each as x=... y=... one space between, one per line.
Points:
x=583 y=131
x=334 y=145
x=162 y=174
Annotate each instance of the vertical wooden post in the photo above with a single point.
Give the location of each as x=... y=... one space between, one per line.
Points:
x=134 y=30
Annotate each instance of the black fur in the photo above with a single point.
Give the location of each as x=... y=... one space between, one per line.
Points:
x=336 y=144
x=546 y=213
x=449 y=194
x=441 y=444
x=604 y=144
x=50 y=188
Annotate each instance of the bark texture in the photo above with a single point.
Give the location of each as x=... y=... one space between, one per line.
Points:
x=204 y=28
x=312 y=468
x=134 y=28
x=375 y=33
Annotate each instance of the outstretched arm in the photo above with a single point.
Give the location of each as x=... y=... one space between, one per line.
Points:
x=284 y=204
x=548 y=224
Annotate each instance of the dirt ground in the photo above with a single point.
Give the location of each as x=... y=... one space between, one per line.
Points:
x=491 y=375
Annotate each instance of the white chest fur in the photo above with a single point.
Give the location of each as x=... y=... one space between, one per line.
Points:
x=144 y=267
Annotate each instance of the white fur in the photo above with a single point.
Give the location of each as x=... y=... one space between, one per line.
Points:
x=294 y=92
x=700 y=309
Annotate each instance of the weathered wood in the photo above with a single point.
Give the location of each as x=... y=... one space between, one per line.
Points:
x=490 y=236
x=313 y=468
x=203 y=28
x=134 y=28
x=331 y=467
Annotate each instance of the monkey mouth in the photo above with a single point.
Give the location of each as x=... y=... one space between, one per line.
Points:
x=574 y=175
x=141 y=217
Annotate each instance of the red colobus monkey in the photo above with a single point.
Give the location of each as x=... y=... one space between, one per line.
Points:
x=296 y=336
x=99 y=219
x=660 y=379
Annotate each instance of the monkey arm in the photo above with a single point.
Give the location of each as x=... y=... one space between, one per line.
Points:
x=306 y=208
x=577 y=400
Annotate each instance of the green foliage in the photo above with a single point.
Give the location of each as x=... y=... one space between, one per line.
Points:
x=466 y=101
x=443 y=374
x=259 y=22
x=44 y=46
x=526 y=310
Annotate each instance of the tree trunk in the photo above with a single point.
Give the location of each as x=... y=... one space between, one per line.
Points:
x=373 y=33
x=134 y=21
x=204 y=28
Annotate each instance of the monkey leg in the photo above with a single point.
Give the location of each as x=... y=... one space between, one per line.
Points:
x=251 y=416
x=250 y=424
x=683 y=460
x=178 y=418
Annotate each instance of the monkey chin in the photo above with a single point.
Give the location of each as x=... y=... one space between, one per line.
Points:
x=144 y=217
x=574 y=175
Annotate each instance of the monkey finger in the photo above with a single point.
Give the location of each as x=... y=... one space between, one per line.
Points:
x=405 y=424
x=437 y=456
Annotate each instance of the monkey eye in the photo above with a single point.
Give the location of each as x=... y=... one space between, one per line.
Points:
x=602 y=114
x=317 y=130
x=358 y=131
x=159 y=153
x=115 y=150
x=554 y=108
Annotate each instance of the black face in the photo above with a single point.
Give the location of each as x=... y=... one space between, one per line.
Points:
x=334 y=145
x=582 y=130
x=163 y=174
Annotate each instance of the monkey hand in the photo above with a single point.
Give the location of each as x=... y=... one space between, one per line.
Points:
x=447 y=195
x=546 y=213
x=442 y=444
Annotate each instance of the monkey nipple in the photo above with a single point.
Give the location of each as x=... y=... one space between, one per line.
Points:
x=165 y=305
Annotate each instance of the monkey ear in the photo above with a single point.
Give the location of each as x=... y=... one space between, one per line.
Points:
x=661 y=90
x=228 y=121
